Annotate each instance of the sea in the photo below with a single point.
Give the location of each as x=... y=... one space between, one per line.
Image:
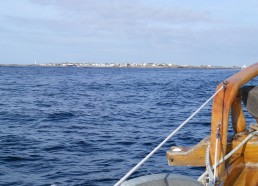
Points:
x=90 y=126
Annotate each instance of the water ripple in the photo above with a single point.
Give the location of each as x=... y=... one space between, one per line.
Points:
x=89 y=126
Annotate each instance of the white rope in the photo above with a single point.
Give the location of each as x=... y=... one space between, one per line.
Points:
x=165 y=140
x=229 y=154
x=207 y=162
x=216 y=152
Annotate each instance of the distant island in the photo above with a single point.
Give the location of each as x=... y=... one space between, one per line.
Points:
x=119 y=65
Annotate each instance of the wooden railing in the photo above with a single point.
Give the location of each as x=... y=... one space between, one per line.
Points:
x=223 y=103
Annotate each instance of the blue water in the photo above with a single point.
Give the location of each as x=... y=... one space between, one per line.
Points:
x=89 y=126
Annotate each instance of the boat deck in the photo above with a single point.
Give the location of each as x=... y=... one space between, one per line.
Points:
x=248 y=177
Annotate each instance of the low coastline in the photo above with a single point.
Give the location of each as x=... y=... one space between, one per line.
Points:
x=119 y=65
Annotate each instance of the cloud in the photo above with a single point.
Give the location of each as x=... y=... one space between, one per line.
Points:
x=135 y=29
x=107 y=23
x=123 y=18
x=111 y=19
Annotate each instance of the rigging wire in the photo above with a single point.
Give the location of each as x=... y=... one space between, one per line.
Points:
x=166 y=139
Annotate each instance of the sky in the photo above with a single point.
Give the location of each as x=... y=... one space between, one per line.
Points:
x=183 y=32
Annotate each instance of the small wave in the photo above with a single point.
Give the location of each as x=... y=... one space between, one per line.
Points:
x=126 y=143
x=60 y=115
x=13 y=158
x=54 y=148
x=43 y=105
x=18 y=158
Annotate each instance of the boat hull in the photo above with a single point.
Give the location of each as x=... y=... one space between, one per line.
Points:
x=162 y=180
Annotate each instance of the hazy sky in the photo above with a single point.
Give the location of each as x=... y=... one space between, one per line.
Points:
x=192 y=32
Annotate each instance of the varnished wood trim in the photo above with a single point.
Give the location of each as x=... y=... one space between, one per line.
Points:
x=221 y=108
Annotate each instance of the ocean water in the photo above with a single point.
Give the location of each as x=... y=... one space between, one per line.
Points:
x=90 y=126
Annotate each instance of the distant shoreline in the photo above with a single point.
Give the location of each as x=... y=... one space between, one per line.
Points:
x=117 y=65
